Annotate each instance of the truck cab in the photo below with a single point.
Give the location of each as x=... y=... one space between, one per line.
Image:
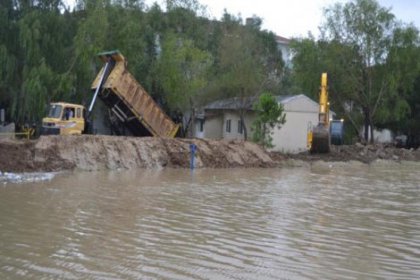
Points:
x=64 y=119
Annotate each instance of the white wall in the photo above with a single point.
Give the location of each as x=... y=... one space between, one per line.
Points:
x=198 y=133
x=301 y=112
x=213 y=127
x=381 y=136
x=234 y=117
x=292 y=136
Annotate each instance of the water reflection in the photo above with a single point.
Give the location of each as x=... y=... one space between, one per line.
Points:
x=327 y=221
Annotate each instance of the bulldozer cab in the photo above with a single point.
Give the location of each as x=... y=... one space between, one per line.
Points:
x=64 y=119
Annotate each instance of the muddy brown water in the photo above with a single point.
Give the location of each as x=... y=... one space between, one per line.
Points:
x=330 y=221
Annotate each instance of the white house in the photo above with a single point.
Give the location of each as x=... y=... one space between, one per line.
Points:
x=221 y=120
x=301 y=114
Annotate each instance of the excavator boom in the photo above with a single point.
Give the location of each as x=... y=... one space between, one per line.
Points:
x=320 y=133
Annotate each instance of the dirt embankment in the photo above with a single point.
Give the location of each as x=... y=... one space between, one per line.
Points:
x=88 y=152
x=358 y=152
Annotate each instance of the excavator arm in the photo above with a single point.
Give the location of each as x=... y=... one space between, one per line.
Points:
x=320 y=142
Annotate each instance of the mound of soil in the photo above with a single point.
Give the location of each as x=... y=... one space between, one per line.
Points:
x=92 y=152
x=358 y=152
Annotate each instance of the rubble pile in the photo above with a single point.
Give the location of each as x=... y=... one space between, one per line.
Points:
x=362 y=153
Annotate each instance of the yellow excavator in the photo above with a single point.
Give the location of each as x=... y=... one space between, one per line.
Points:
x=319 y=136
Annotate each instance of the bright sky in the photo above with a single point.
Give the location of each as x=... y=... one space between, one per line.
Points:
x=295 y=18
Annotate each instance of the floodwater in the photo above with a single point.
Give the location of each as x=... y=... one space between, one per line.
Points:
x=331 y=221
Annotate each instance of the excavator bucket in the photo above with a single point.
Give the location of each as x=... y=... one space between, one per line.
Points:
x=320 y=140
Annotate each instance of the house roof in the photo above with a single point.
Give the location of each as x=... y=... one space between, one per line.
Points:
x=282 y=40
x=235 y=103
x=284 y=99
x=248 y=102
x=232 y=103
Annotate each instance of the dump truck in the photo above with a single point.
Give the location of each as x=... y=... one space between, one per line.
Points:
x=64 y=119
x=126 y=99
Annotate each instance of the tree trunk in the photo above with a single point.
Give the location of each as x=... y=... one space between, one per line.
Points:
x=244 y=127
x=192 y=120
x=185 y=130
x=192 y=124
x=371 y=132
x=264 y=135
x=367 y=123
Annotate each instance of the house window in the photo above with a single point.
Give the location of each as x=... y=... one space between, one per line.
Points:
x=240 y=127
x=228 y=125
x=201 y=126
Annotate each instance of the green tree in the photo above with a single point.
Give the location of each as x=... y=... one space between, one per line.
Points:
x=270 y=114
x=367 y=28
x=35 y=55
x=89 y=40
x=183 y=69
x=248 y=63
x=360 y=45
x=9 y=77
x=314 y=57
x=403 y=106
x=48 y=53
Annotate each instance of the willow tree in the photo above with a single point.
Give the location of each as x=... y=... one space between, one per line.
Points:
x=33 y=50
x=90 y=39
x=183 y=70
x=248 y=62
x=9 y=73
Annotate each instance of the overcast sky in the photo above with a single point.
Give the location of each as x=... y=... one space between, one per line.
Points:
x=294 y=18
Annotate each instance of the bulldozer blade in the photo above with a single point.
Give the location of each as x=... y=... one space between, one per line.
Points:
x=320 y=141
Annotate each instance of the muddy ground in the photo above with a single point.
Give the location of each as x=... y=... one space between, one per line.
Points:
x=88 y=152
x=365 y=154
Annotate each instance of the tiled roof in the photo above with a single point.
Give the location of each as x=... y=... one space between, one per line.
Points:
x=232 y=103
x=247 y=103
x=282 y=40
